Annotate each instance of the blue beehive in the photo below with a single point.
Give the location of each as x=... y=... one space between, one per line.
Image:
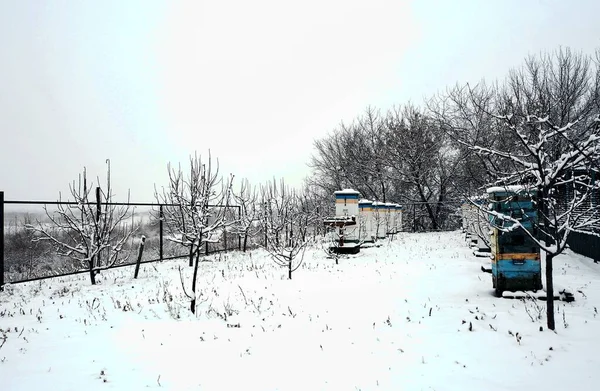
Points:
x=515 y=254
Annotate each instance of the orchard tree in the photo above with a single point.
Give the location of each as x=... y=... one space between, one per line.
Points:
x=284 y=224
x=247 y=200
x=89 y=229
x=193 y=210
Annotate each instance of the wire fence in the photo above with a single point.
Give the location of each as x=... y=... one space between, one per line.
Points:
x=431 y=216
x=23 y=259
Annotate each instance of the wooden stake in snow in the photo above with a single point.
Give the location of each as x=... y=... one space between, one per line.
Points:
x=139 y=258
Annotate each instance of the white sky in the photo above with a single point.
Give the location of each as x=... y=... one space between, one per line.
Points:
x=148 y=82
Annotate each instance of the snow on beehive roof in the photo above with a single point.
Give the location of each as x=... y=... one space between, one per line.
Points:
x=365 y=201
x=511 y=188
x=484 y=196
x=346 y=191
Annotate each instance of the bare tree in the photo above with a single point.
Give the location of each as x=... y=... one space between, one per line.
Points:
x=354 y=156
x=247 y=224
x=422 y=161
x=23 y=254
x=402 y=155
x=476 y=221
x=545 y=119
x=91 y=232
x=194 y=211
x=318 y=205
x=284 y=224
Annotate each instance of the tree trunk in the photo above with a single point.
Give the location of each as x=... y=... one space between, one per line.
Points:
x=551 y=236
x=191 y=255
x=92 y=271
x=432 y=217
x=195 y=276
x=290 y=268
x=549 y=292
x=245 y=241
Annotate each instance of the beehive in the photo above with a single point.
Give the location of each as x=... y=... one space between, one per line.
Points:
x=346 y=205
x=366 y=221
x=379 y=219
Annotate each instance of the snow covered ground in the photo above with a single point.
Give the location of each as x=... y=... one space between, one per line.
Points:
x=414 y=314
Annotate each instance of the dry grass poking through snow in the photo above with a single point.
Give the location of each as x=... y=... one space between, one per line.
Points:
x=415 y=313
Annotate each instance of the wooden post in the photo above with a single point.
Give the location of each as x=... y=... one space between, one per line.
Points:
x=161 y=217
x=2 y=241
x=139 y=258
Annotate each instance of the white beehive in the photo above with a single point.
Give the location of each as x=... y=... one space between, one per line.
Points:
x=398 y=218
x=464 y=209
x=366 y=221
x=346 y=205
x=393 y=219
x=379 y=219
x=346 y=202
x=389 y=218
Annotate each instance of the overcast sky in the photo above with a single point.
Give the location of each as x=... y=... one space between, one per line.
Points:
x=146 y=82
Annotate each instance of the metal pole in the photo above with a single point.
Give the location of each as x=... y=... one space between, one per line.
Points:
x=98 y=205
x=2 y=241
x=239 y=236
x=98 y=215
x=161 y=217
x=225 y=229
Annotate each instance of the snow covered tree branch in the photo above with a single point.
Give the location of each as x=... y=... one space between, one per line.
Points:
x=92 y=231
x=540 y=131
x=285 y=225
x=195 y=208
x=247 y=224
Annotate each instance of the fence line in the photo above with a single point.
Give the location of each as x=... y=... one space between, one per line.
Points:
x=159 y=206
x=2 y=241
x=414 y=220
x=22 y=202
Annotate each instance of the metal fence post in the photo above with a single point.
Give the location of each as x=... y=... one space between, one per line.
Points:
x=161 y=217
x=239 y=220
x=98 y=216
x=225 y=228
x=2 y=241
